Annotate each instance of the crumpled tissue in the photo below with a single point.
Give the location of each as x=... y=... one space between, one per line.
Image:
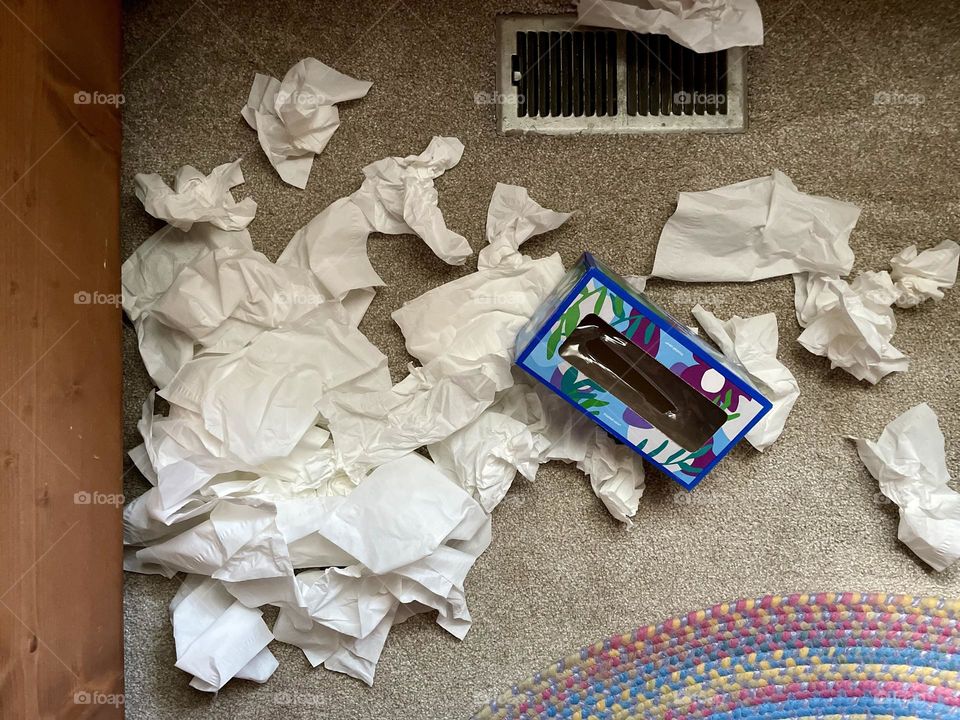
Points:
x=909 y=462
x=755 y=229
x=923 y=276
x=397 y=196
x=196 y=197
x=150 y=272
x=296 y=118
x=217 y=638
x=701 y=25
x=752 y=344
x=850 y=323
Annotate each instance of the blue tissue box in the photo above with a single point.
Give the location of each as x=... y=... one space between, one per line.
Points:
x=639 y=373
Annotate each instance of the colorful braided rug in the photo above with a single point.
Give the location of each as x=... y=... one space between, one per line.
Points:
x=803 y=656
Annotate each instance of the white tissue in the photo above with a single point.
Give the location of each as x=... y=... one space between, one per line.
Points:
x=851 y=324
x=296 y=118
x=430 y=404
x=398 y=197
x=923 y=276
x=196 y=198
x=753 y=230
x=701 y=25
x=752 y=344
x=259 y=401
x=217 y=638
x=512 y=219
x=909 y=461
x=147 y=275
x=486 y=456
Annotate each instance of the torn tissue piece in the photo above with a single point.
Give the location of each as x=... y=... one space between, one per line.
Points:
x=217 y=638
x=296 y=118
x=701 y=25
x=752 y=344
x=486 y=456
x=242 y=287
x=853 y=324
x=430 y=404
x=909 y=461
x=197 y=198
x=398 y=197
x=479 y=313
x=150 y=272
x=923 y=276
x=512 y=219
x=755 y=229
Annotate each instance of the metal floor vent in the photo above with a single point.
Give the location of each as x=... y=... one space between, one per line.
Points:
x=555 y=77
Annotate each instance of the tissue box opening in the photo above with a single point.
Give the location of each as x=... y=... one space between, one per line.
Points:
x=644 y=385
x=639 y=373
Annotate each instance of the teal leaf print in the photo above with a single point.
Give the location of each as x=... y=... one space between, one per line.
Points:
x=648 y=333
x=654 y=453
x=674 y=457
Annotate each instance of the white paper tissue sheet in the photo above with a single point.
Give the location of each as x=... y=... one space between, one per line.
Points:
x=296 y=118
x=398 y=196
x=924 y=276
x=701 y=25
x=752 y=343
x=755 y=229
x=512 y=219
x=909 y=462
x=196 y=197
x=851 y=324
x=147 y=275
x=217 y=638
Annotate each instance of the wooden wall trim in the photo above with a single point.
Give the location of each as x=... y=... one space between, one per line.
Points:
x=60 y=361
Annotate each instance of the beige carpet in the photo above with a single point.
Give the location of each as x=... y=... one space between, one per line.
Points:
x=560 y=573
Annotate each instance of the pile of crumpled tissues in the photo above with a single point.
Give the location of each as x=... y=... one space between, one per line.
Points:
x=766 y=227
x=286 y=470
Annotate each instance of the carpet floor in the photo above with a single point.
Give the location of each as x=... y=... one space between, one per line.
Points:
x=561 y=573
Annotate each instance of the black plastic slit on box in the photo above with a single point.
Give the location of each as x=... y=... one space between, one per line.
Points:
x=624 y=370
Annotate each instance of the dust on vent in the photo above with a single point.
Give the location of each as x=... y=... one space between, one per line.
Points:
x=555 y=77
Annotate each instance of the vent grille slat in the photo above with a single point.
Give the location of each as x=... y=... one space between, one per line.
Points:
x=631 y=82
